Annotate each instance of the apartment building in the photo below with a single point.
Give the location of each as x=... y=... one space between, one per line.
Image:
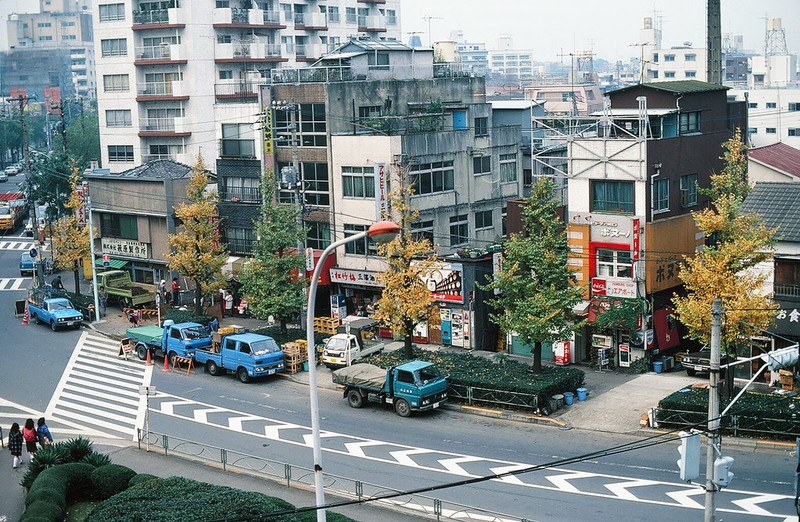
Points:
x=178 y=77
x=773 y=114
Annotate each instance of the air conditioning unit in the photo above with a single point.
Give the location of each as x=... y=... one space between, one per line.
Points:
x=601 y=341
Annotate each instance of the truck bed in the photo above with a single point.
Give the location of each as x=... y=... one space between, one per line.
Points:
x=362 y=375
x=149 y=334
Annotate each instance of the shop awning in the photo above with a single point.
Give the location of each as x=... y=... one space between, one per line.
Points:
x=112 y=263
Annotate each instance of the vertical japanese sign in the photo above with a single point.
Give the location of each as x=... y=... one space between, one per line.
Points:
x=381 y=198
x=636 y=238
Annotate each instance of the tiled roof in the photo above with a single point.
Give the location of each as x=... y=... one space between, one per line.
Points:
x=779 y=156
x=677 y=87
x=779 y=205
x=157 y=169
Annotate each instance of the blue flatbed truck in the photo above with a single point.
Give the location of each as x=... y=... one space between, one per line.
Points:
x=247 y=355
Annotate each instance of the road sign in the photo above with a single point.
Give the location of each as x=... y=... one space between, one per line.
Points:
x=32 y=252
x=106 y=259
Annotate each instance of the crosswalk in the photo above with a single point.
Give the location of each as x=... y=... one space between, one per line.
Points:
x=9 y=284
x=17 y=244
x=99 y=391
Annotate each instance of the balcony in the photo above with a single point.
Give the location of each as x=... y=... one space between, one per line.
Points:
x=371 y=1
x=791 y=292
x=372 y=23
x=160 y=91
x=157 y=19
x=311 y=21
x=243 y=52
x=246 y=19
x=159 y=54
x=238 y=246
x=240 y=194
x=235 y=148
x=163 y=127
x=309 y=52
x=237 y=91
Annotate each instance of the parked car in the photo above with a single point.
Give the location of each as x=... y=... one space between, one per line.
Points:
x=3 y=176
x=12 y=170
x=700 y=362
x=26 y=263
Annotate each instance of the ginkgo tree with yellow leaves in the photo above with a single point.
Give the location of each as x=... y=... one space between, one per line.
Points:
x=196 y=250
x=736 y=243
x=406 y=300
x=70 y=235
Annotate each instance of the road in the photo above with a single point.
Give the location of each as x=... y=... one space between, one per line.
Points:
x=77 y=380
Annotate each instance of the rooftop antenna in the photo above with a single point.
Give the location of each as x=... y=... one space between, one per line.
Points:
x=429 y=18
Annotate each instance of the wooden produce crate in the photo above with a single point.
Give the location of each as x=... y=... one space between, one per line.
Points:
x=226 y=330
x=326 y=325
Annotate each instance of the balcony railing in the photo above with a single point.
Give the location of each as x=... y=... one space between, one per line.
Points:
x=158 y=88
x=272 y=17
x=345 y=73
x=235 y=148
x=790 y=291
x=240 y=194
x=372 y=23
x=240 y=16
x=240 y=246
x=242 y=91
x=155 y=16
x=245 y=50
x=161 y=124
x=155 y=52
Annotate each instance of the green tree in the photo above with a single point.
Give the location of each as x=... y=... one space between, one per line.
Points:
x=70 y=235
x=537 y=288
x=50 y=181
x=83 y=139
x=270 y=281
x=405 y=300
x=10 y=137
x=196 y=250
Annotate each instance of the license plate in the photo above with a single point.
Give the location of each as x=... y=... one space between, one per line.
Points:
x=436 y=405
x=270 y=372
x=334 y=360
x=72 y=323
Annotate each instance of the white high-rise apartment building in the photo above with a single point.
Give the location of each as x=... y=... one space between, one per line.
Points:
x=178 y=77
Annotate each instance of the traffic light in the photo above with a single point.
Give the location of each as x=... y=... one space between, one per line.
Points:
x=689 y=463
x=106 y=260
x=722 y=474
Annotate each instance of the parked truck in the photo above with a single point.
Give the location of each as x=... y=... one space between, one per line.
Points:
x=355 y=339
x=181 y=339
x=247 y=355
x=411 y=386
x=125 y=292
x=12 y=210
x=50 y=306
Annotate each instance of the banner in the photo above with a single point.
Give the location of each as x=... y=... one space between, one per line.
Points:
x=381 y=197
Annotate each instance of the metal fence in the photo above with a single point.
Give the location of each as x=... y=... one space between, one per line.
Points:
x=303 y=478
x=474 y=394
x=735 y=425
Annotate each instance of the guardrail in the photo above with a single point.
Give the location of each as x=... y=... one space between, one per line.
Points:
x=474 y=394
x=735 y=425
x=303 y=478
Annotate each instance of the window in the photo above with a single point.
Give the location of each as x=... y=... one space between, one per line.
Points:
x=794 y=106
x=226 y=75
x=481 y=126
x=482 y=165
x=115 y=83
x=68 y=23
x=317 y=186
x=378 y=61
x=772 y=130
x=661 y=195
x=669 y=57
x=690 y=121
x=319 y=235
x=669 y=74
x=422 y=230
x=119 y=226
x=429 y=178
x=691 y=58
x=241 y=189
x=120 y=153
x=459 y=230
x=45 y=38
x=111 y=12
x=772 y=105
x=752 y=105
x=614 y=263
x=391 y=17
x=362 y=247
x=240 y=240
x=504 y=219
x=118 y=118
x=350 y=15
x=794 y=132
x=752 y=130
x=612 y=196
x=311 y=124
x=114 y=47
x=333 y=14
x=358 y=182
x=222 y=4
x=224 y=39
x=508 y=168
x=691 y=74
x=370 y=111
x=689 y=190
x=44 y=24
x=483 y=219
x=69 y=37
x=238 y=141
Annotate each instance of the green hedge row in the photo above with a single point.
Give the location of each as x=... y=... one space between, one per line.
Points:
x=503 y=374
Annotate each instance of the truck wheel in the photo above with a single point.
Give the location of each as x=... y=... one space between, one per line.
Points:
x=141 y=352
x=126 y=302
x=402 y=408
x=171 y=356
x=53 y=325
x=355 y=399
x=243 y=376
x=690 y=372
x=36 y=319
x=212 y=368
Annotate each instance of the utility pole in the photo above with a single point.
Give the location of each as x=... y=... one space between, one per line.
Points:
x=91 y=250
x=429 y=18
x=712 y=443
x=23 y=101
x=60 y=108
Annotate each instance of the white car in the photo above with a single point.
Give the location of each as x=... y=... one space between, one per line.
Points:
x=12 y=170
x=3 y=176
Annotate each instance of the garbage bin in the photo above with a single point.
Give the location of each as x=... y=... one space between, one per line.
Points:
x=658 y=366
x=581 y=394
x=559 y=398
x=305 y=366
x=568 y=396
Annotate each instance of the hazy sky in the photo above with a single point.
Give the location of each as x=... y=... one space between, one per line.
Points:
x=609 y=28
x=550 y=28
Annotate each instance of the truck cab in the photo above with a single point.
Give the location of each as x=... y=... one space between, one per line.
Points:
x=355 y=339
x=248 y=355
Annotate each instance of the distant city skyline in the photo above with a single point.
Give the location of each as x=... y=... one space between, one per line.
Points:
x=609 y=29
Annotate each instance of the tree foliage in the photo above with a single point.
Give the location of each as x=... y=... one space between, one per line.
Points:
x=50 y=182
x=537 y=288
x=196 y=250
x=270 y=281
x=406 y=300
x=70 y=235
x=736 y=244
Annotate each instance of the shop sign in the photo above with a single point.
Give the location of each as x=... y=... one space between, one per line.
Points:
x=636 y=239
x=354 y=277
x=124 y=247
x=608 y=228
x=381 y=197
x=444 y=281
x=623 y=288
x=787 y=321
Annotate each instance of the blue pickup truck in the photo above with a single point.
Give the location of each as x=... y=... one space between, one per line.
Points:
x=248 y=355
x=180 y=339
x=51 y=307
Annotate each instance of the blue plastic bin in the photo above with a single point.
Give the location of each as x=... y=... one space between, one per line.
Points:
x=581 y=394
x=568 y=397
x=658 y=366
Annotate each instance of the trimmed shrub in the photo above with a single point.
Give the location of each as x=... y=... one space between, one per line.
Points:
x=44 y=510
x=110 y=479
x=52 y=495
x=180 y=316
x=141 y=477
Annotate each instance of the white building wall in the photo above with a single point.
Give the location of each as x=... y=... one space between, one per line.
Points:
x=773 y=115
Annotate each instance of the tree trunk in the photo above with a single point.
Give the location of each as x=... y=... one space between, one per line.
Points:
x=198 y=298
x=408 y=346
x=284 y=324
x=537 y=357
x=77 y=276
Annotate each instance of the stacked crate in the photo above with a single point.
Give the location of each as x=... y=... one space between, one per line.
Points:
x=294 y=355
x=325 y=325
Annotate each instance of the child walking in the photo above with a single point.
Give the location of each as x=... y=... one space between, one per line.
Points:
x=15 y=444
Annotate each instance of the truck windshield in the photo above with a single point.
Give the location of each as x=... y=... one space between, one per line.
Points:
x=60 y=305
x=196 y=332
x=426 y=375
x=264 y=347
x=337 y=343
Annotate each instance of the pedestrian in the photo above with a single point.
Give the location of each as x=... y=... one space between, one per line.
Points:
x=133 y=317
x=176 y=288
x=15 y=444
x=29 y=435
x=57 y=283
x=43 y=433
x=213 y=324
x=102 y=297
x=162 y=288
x=229 y=303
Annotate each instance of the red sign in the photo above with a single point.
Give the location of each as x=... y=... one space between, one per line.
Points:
x=52 y=99
x=635 y=239
x=106 y=257
x=598 y=286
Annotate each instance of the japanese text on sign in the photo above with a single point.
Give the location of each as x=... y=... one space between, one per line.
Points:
x=354 y=277
x=123 y=247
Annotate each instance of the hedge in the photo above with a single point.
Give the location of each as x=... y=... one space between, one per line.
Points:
x=56 y=487
x=109 y=480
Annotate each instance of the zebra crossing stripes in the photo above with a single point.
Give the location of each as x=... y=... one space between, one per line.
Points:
x=100 y=391
x=10 y=284
x=17 y=245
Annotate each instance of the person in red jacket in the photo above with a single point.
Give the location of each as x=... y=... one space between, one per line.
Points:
x=29 y=435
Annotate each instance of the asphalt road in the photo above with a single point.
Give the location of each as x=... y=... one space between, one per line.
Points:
x=77 y=380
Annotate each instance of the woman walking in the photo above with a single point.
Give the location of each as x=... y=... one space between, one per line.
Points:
x=15 y=444
x=43 y=433
x=29 y=435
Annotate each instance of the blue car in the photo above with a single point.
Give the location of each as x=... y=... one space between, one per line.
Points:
x=26 y=263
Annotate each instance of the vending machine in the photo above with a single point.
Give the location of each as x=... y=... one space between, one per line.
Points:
x=446 y=324
x=457 y=327
x=338 y=306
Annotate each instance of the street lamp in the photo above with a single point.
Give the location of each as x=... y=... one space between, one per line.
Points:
x=380 y=232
